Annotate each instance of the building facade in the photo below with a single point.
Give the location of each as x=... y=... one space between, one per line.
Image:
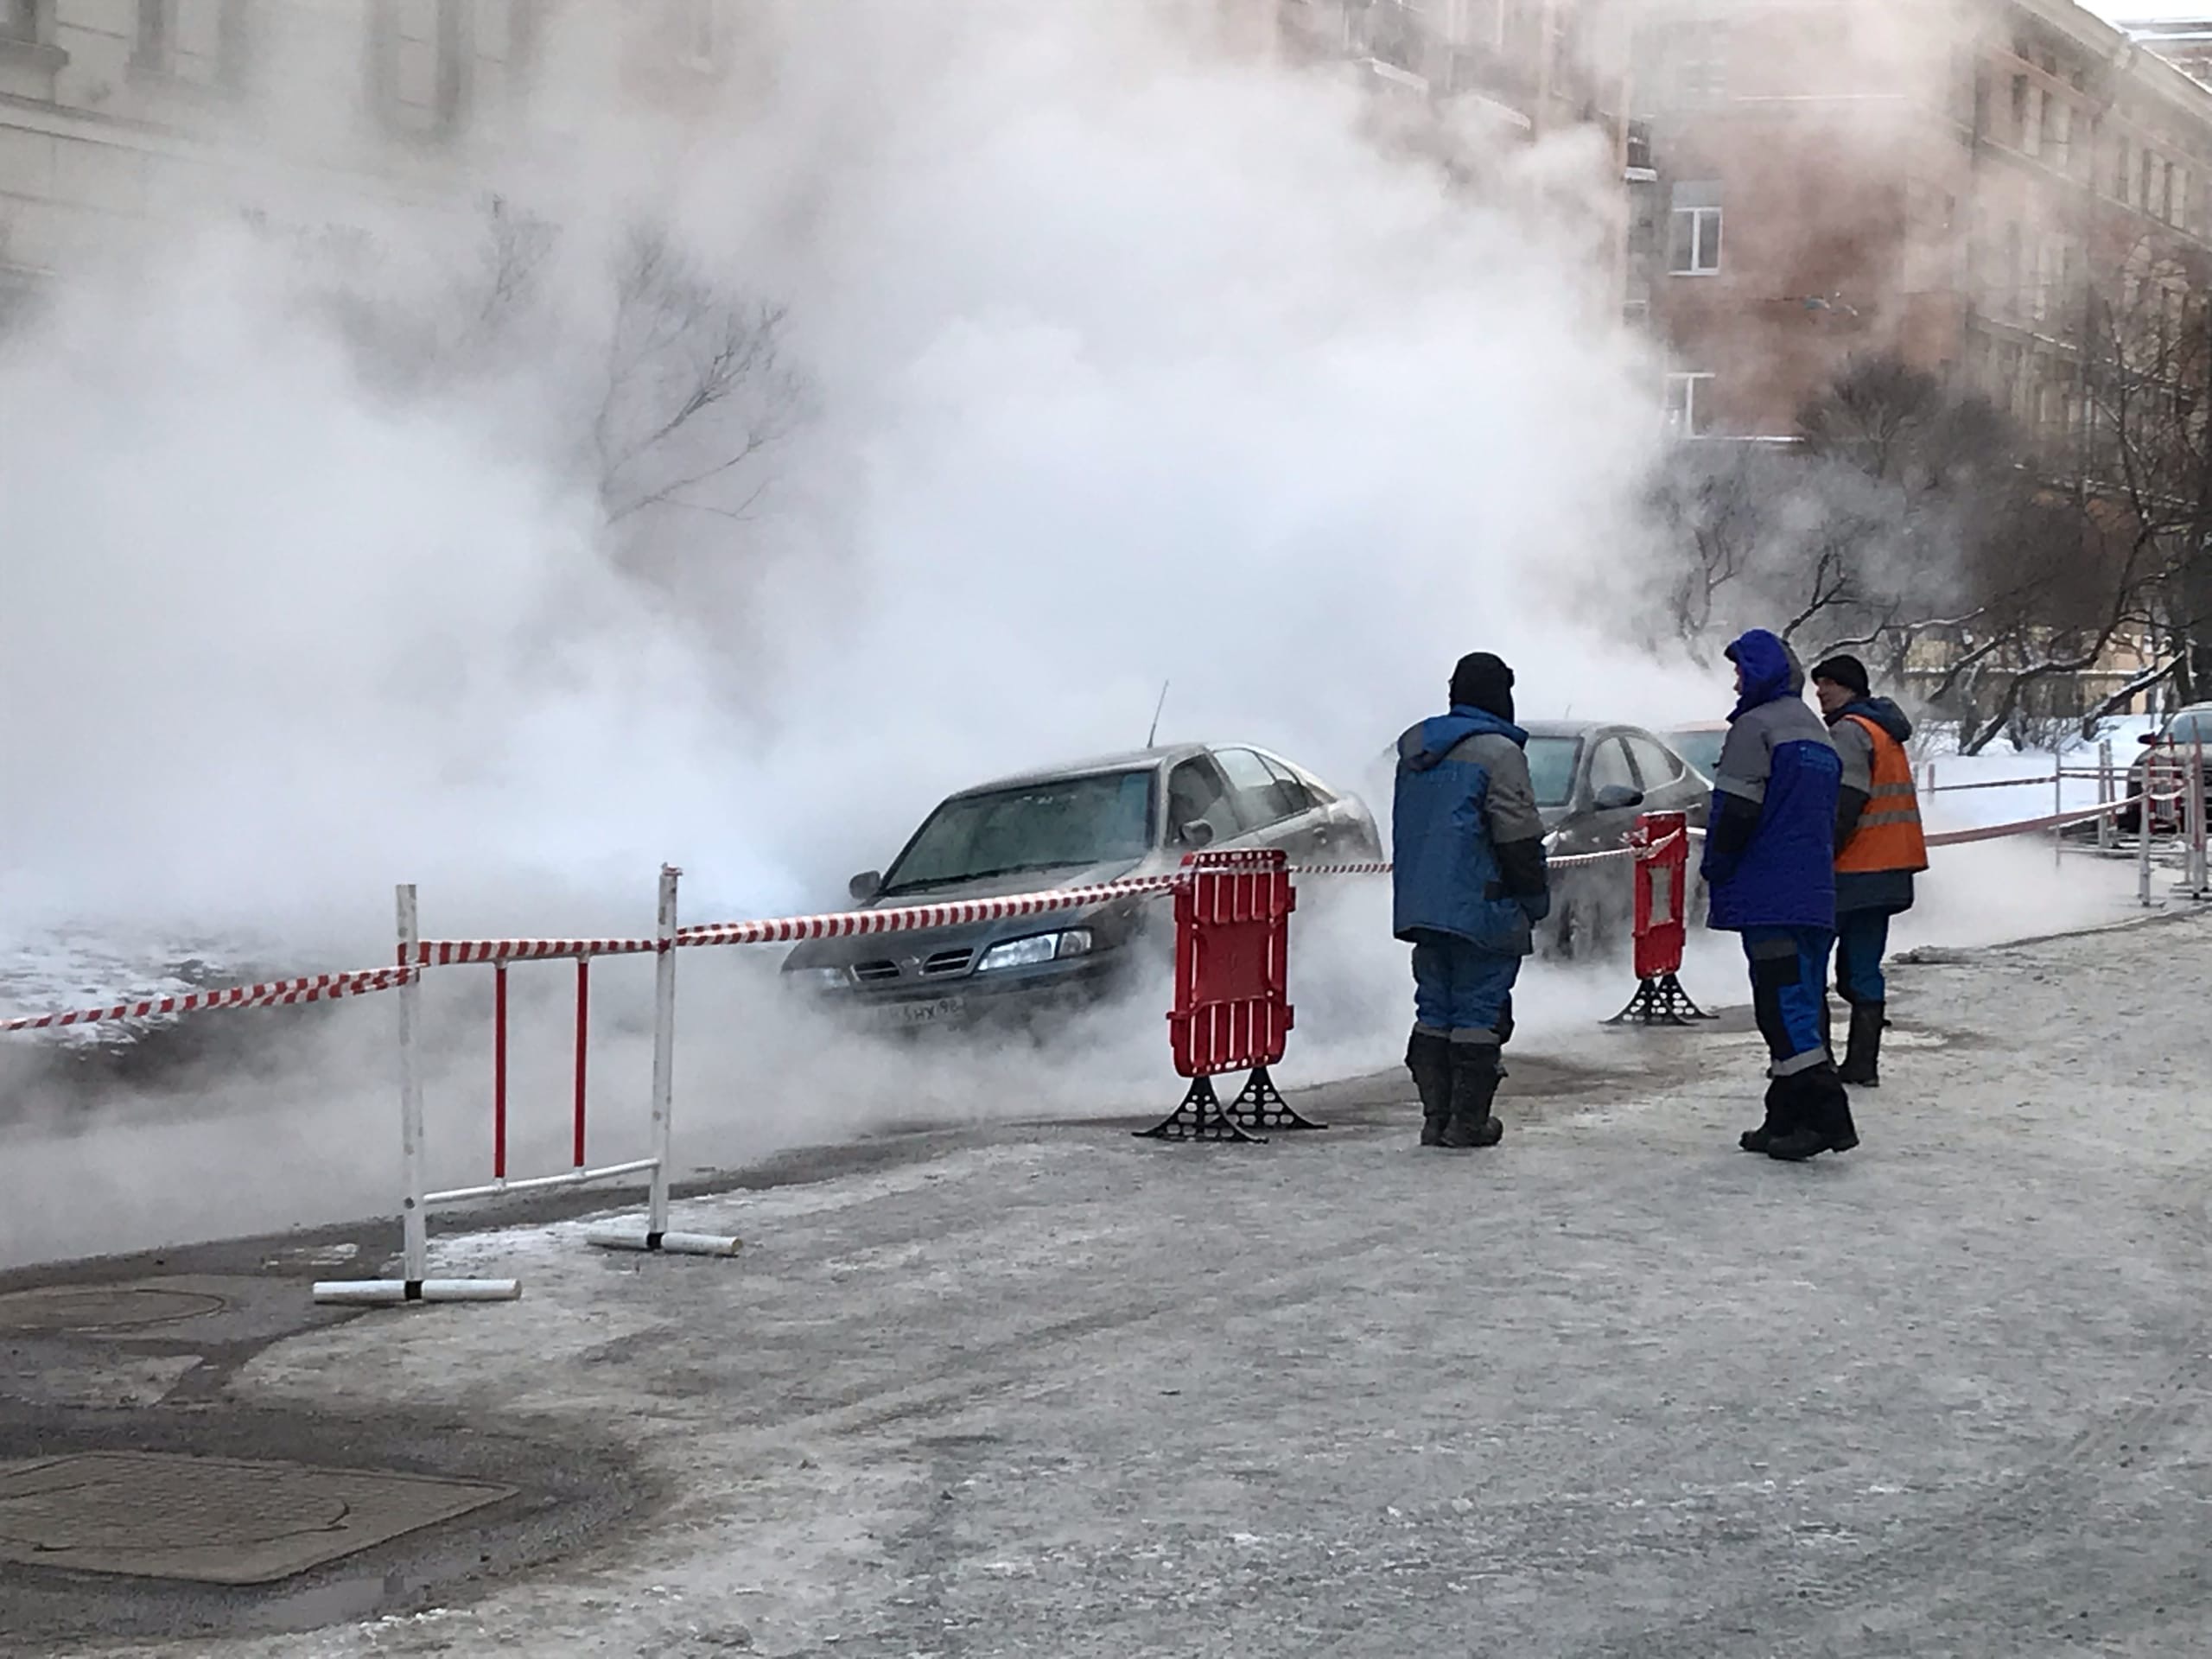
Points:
x=116 y=115
x=1504 y=70
x=1948 y=179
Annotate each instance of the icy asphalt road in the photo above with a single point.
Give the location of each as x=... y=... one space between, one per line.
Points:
x=1616 y=1388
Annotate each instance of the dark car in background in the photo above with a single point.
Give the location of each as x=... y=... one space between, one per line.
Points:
x=1593 y=780
x=2182 y=734
x=1083 y=825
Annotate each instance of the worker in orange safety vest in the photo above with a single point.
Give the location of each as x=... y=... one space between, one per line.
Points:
x=1879 y=847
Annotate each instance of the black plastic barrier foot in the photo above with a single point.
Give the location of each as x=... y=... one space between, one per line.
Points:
x=1201 y=1117
x=1660 y=1001
x=1260 y=1106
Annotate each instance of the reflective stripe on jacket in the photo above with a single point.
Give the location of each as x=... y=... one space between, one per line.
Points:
x=1889 y=837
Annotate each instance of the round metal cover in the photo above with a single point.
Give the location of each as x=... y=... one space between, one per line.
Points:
x=101 y=1307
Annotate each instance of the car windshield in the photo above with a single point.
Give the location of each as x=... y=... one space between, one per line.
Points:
x=1700 y=749
x=1062 y=823
x=1551 y=768
x=2188 y=728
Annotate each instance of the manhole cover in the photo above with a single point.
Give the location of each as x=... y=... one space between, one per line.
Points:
x=157 y=1515
x=101 y=1307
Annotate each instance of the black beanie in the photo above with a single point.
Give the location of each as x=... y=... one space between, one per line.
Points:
x=1482 y=681
x=1845 y=670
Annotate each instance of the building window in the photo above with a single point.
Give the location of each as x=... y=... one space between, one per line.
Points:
x=201 y=41
x=19 y=21
x=1693 y=230
x=1689 y=399
x=1479 y=23
x=1700 y=63
x=420 y=54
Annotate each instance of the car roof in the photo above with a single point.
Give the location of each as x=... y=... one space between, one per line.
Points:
x=1165 y=754
x=1573 y=727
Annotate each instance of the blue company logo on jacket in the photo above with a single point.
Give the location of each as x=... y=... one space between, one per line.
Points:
x=1769 y=848
x=1446 y=878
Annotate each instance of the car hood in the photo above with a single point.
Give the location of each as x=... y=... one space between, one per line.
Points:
x=843 y=952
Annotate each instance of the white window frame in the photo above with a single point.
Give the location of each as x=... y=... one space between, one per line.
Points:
x=1698 y=202
x=1686 y=423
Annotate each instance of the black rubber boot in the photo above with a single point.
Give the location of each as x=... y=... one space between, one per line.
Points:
x=1822 y=1118
x=1474 y=1086
x=1428 y=1058
x=1776 y=1122
x=1861 y=1066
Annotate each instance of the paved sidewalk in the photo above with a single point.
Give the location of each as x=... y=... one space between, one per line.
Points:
x=1615 y=1389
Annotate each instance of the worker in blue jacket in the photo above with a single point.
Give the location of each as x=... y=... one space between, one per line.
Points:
x=1469 y=883
x=1769 y=866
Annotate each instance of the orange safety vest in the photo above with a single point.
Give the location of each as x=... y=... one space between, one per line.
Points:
x=1889 y=836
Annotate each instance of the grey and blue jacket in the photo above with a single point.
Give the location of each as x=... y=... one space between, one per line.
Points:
x=1466 y=840
x=1769 y=845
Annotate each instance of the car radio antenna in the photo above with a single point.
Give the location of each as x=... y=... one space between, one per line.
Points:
x=1152 y=737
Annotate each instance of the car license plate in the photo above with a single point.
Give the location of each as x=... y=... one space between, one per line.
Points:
x=901 y=1015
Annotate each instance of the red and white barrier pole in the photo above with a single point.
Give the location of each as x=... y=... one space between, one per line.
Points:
x=583 y=1051
x=499 y=1070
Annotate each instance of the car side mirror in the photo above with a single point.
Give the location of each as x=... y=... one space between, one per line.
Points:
x=2148 y=738
x=865 y=885
x=1617 y=798
x=1198 y=835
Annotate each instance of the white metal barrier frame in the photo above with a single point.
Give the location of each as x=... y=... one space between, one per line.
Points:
x=416 y=955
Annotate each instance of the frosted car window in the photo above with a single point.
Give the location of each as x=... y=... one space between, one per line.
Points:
x=1062 y=823
x=1551 y=768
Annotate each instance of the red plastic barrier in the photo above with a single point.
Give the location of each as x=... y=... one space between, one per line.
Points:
x=1232 y=959
x=1662 y=869
x=1232 y=993
x=1661 y=844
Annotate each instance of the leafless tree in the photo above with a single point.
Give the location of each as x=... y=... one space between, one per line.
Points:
x=667 y=386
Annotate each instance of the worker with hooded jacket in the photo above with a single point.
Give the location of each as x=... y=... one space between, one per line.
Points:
x=1769 y=866
x=1879 y=847
x=1469 y=884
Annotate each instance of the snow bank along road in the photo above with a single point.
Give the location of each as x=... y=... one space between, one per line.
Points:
x=1614 y=1389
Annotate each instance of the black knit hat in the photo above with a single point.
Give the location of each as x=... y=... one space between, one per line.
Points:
x=1845 y=670
x=1482 y=681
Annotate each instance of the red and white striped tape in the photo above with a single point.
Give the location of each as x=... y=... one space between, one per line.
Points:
x=909 y=918
x=447 y=953
x=2029 y=826
x=281 y=993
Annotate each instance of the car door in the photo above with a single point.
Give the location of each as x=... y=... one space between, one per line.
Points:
x=1611 y=768
x=1266 y=813
x=1663 y=776
x=1199 y=796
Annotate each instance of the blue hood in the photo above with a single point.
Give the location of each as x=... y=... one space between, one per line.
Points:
x=1444 y=733
x=1767 y=670
x=1884 y=712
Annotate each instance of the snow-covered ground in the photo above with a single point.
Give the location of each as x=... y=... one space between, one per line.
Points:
x=1614 y=1389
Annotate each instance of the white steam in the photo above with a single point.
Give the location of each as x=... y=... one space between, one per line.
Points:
x=1128 y=361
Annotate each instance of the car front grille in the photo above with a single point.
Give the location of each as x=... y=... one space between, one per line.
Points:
x=874 y=973
x=947 y=961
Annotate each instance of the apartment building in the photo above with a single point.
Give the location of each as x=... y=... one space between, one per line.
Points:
x=304 y=114
x=2185 y=43
x=1949 y=179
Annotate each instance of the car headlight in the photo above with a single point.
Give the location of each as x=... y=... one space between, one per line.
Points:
x=1551 y=840
x=1027 y=953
